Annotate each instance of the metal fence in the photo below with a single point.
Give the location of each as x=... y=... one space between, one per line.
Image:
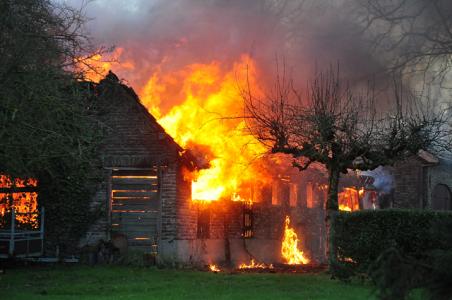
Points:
x=17 y=242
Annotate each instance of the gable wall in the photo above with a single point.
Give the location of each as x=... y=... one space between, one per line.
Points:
x=133 y=139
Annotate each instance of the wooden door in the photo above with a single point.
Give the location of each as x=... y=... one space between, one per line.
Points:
x=135 y=205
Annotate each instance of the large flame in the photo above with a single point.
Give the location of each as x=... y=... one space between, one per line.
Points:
x=201 y=107
x=210 y=114
x=289 y=247
x=206 y=115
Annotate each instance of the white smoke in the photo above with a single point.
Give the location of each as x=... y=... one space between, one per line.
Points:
x=383 y=179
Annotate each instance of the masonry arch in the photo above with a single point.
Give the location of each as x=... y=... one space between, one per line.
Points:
x=441 y=197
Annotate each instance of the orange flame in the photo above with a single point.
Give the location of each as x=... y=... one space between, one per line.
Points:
x=254 y=265
x=289 y=248
x=95 y=67
x=214 y=268
x=25 y=204
x=201 y=107
x=344 y=207
x=237 y=198
x=210 y=114
x=348 y=199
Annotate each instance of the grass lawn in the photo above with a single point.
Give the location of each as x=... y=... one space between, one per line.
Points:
x=115 y=282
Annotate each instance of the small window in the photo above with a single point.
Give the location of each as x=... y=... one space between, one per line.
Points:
x=293 y=197
x=248 y=220
x=135 y=205
x=203 y=223
x=257 y=194
x=134 y=191
x=276 y=193
x=22 y=196
x=309 y=195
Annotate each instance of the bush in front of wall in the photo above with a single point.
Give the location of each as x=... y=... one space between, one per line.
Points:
x=359 y=238
x=396 y=275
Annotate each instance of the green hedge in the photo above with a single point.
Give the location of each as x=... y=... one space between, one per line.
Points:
x=358 y=238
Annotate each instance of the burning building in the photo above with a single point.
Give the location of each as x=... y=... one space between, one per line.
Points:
x=213 y=203
x=155 y=196
x=195 y=207
x=221 y=200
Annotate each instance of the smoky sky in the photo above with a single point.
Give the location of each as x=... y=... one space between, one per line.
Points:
x=305 y=35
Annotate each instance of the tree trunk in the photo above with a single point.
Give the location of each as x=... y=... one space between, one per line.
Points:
x=331 y=208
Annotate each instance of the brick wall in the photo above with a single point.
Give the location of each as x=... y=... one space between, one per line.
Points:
x=185 y=208
x=168 y=196
x=134 y=139
x=178 y=212
x=409 y=187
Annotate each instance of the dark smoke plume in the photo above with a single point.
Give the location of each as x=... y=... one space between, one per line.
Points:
x=304 y=35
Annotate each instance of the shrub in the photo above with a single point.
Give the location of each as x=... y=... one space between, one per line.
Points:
x=396 y=275
x=50 y=128
x=358 y=238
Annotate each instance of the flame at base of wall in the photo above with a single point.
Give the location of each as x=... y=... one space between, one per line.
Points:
x=214 y=268
x=289 y=248
x=254 y=265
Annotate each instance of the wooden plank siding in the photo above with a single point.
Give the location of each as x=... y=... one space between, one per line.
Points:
x=135 y=206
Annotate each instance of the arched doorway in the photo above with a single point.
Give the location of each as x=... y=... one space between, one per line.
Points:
x=441 y=198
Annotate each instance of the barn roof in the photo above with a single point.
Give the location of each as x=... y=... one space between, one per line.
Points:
x=427 y=157
x=134 y=137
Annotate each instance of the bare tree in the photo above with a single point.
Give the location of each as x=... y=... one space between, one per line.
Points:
x=332 y=125
x=46 y=33
x=417 y=34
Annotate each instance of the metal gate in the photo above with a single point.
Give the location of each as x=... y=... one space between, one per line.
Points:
x=17 y=242
x=135 y=205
